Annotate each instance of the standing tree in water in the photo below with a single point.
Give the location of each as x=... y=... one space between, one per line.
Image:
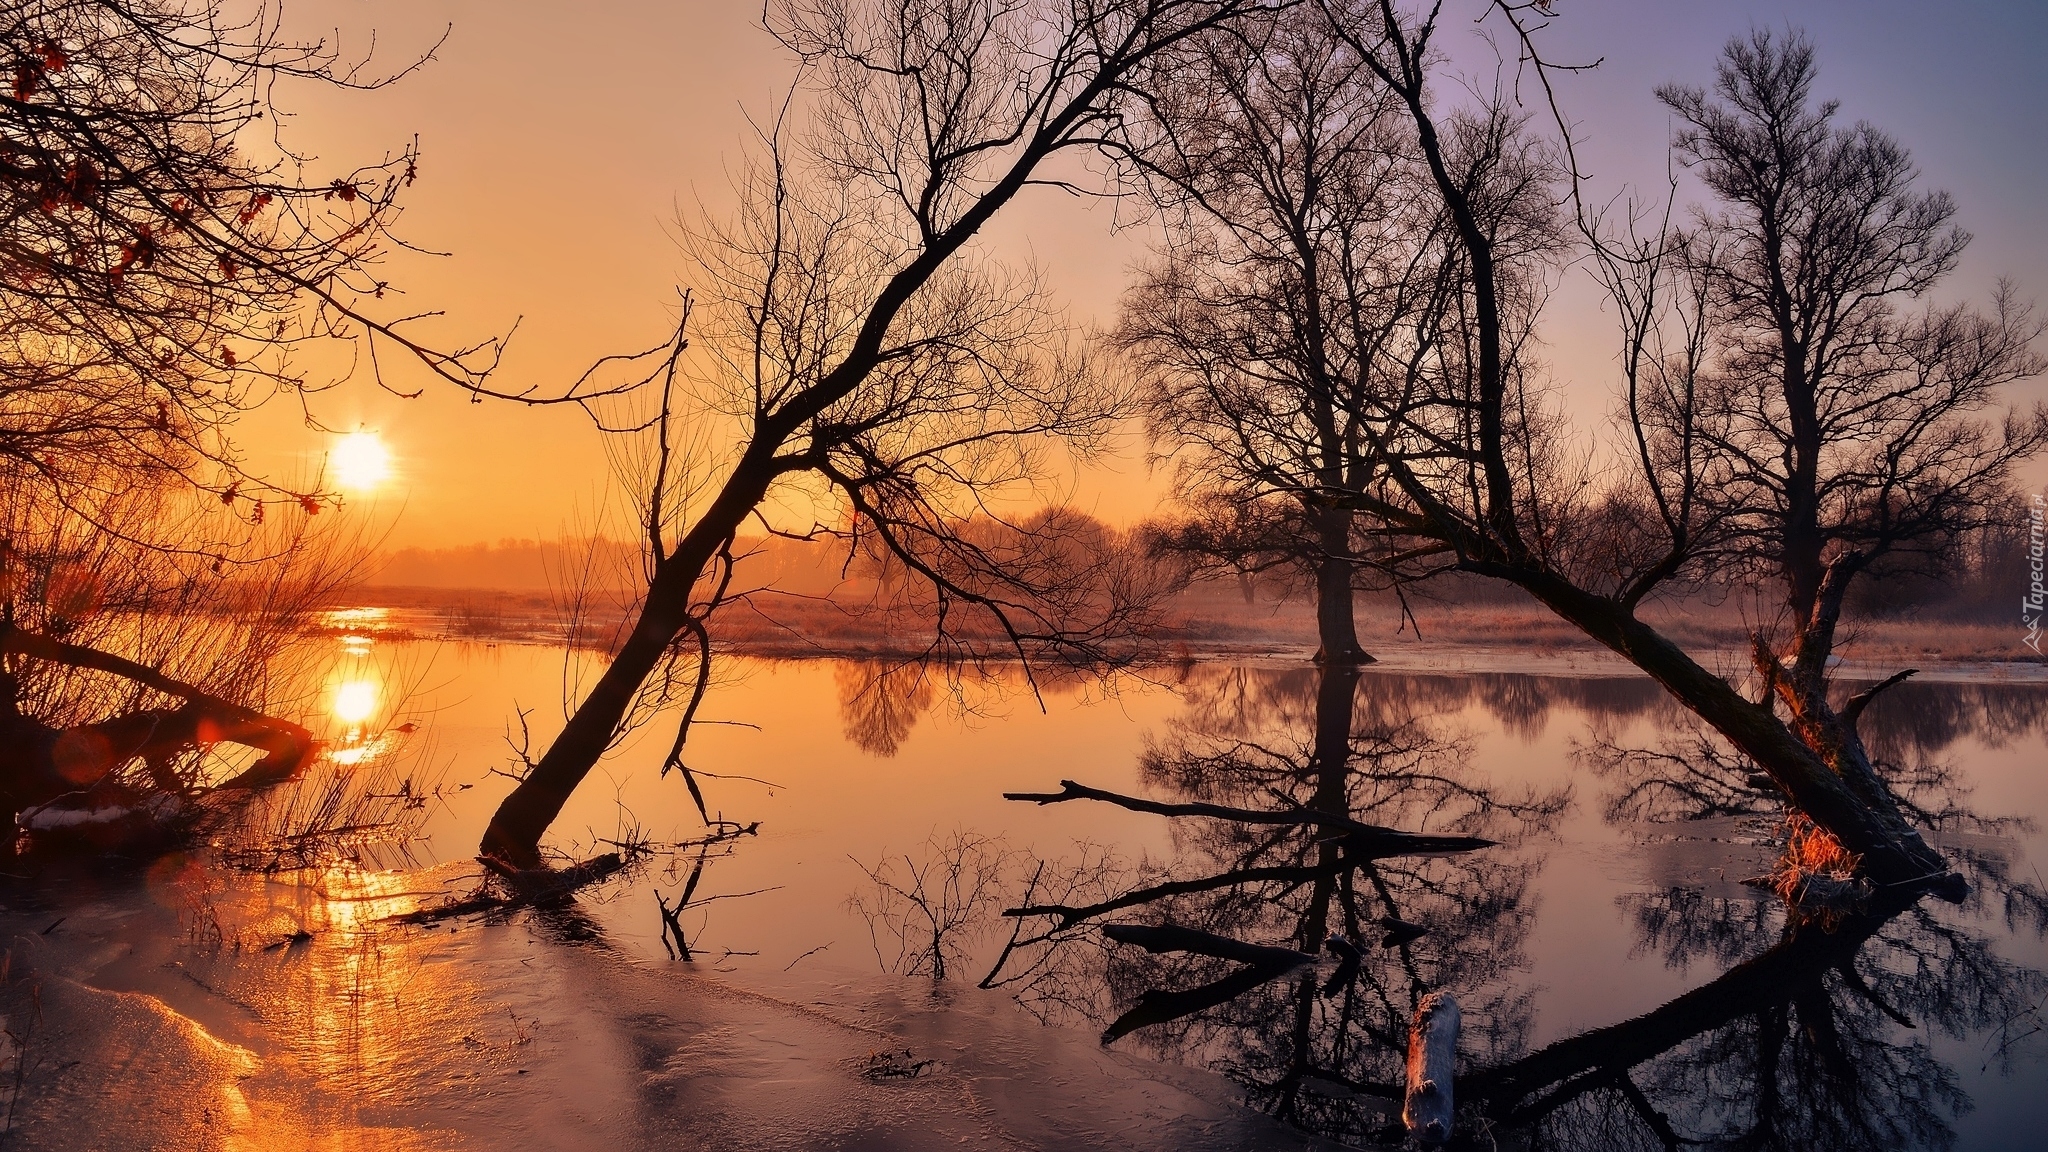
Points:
x=1301 y=260
x=1790 y=418
x=1841 y=427
x=862 y=347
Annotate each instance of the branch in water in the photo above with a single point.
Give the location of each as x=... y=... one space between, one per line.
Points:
x=1369 y=840
x=1857 y=703
x=1173 y=938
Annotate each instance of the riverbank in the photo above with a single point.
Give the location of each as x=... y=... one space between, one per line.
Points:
x=1433 y=637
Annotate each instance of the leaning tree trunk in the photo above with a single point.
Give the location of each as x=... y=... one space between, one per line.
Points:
x=1893 y=852
x=513 y=836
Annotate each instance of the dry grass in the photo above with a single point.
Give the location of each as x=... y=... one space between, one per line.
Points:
x=1815 y=876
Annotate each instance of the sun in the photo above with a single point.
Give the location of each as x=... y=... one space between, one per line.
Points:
x=360 y=461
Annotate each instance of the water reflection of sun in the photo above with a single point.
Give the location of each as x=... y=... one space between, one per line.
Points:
x=358 y=1000
x=355 y=618
x=355 y=701
x=358 y=753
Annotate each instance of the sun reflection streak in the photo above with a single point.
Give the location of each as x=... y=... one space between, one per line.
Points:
x=354 y=994
x=355 y=701
x=371 y=618
x=356 y=754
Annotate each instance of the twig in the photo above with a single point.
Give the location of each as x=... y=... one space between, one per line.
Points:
x=808 y=955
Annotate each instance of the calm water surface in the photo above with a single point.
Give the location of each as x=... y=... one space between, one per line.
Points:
x=1621 y=987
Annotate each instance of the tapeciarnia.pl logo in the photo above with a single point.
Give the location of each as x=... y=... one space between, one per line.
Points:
x=2031 y=605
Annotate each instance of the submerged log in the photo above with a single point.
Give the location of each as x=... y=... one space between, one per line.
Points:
x=1400 y=932
x=1370 y=841
x=1432 y=1060
x=1070 y=915
x=1349 y=959
x=519 y=888
x=50 y=771
x=104 y=820
x=1157 y=1006
x=1173 y=938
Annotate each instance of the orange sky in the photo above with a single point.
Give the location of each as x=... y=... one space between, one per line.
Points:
x=561 y=143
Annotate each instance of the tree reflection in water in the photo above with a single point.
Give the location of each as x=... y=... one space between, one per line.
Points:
x=1810 y=1044
x=881 y=701
x=1816 y=1035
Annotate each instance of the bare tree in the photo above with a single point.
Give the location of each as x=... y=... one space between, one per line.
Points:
x=861 y=344
x=164 y=253
x=1890 y=455
x=880 y=701
x=1846 y=426
x=934 y=910
x=164 y=258
x=125 y=671
x=1283 y=305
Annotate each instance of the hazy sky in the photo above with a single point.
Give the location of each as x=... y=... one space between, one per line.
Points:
x=562 y=142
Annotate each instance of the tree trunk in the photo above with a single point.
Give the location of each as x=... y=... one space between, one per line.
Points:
x=1893 y=852
x=1586 y=1061
x=1336 y=626
x=1336 y=695
x=513 y=836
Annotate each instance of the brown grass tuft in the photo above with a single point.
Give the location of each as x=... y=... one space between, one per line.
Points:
x=1815 y=876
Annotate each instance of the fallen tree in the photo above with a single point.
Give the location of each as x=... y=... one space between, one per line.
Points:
x=74 y=776
x=1361 y=841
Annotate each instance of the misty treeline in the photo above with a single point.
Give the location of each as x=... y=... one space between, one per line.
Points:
x=1335 y=346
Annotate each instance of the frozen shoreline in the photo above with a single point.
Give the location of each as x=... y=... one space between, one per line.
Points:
x=537 y=1032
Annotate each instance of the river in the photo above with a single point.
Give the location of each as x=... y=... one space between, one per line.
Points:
x=196 y=1004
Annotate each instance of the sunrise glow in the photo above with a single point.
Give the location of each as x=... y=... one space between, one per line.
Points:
x=360 y=462
x=1252 y=574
